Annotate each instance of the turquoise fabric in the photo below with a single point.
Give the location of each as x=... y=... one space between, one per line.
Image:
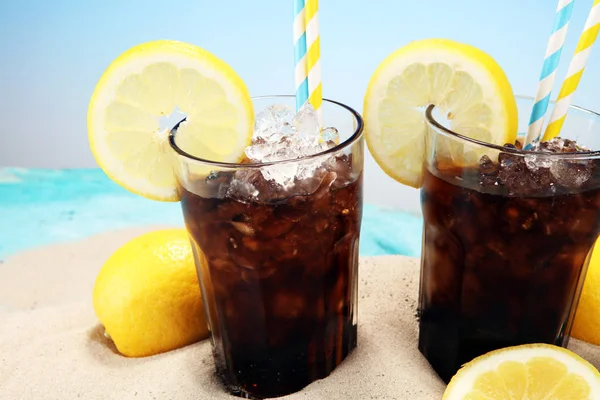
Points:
x=40 y=206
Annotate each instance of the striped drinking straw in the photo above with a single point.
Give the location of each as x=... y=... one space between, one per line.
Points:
x=301 y=76
x=313 y=56
x=576 y=67
x=548 y=75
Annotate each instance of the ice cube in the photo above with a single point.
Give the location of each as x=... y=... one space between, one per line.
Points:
x=571 y=174
x=242 y=189
x=274 y=120
x=259 y=150
x=242 y=185
x=279 y=136
x=560 y=145
x=282 y=174
x=487 y=166
x=287 y=129
x=285 y=148
x=214 y=186
x=307 y=168
x=306 y=122
x=543 y=162
x=560 y=172
x=330 y=134
x=532 y=163
x=327 y=144
x=552 y=146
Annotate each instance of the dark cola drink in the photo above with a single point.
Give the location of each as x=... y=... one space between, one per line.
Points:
x=278 y=270
x=504 y=252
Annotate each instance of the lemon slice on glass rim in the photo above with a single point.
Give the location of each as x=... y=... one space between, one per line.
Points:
x=141 y=88
x=463 y=82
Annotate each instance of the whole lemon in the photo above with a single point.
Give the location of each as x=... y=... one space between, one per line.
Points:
x=586 y=326
x=147 y=295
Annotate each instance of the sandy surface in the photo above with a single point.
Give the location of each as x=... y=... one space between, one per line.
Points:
x=51 y=346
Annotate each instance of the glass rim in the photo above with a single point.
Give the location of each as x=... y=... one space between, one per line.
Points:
x=358 y=132
x=583 y=154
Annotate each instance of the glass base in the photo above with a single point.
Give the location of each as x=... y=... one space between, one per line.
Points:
x=274 y=376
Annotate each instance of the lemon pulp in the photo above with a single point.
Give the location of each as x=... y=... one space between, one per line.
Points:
x=465 y=83
x=147 y=83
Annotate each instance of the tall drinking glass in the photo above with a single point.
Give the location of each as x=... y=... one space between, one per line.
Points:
x=507 y=234
x=277 y=262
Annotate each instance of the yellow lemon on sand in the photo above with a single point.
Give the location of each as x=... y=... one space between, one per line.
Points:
x=147 y=295
x=533 y=372
x=586 y=326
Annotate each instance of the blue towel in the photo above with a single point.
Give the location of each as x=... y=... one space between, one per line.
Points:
x=387 y=231
x=41 y=206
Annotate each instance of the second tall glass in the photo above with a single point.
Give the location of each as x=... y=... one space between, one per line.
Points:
x=507 y=234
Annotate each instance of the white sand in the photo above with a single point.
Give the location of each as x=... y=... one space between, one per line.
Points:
x=51 y=346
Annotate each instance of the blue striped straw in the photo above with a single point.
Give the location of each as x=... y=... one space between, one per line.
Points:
x=313 y=57
x=574 y=73
x=548 y=75
x=301 y=73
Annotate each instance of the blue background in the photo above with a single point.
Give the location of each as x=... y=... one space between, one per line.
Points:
x=53 y=52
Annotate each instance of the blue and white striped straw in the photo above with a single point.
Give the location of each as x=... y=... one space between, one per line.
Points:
x=575 y=72
x=548 y=75
x=301 y=73
x=313 y=56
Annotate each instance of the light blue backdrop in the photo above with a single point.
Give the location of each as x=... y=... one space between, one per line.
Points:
x=52 y=53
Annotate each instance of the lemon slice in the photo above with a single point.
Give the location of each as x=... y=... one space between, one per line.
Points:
x=527 y=372
x=465 y=83
x=146 y=84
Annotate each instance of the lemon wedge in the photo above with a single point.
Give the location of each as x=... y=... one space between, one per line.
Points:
x=148 y=83
x=527 y=372
x=465 y=83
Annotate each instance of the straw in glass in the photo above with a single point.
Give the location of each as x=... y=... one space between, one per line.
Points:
x=574 y=73
x=313 y=56
x=548 y=74
x=301 y=72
